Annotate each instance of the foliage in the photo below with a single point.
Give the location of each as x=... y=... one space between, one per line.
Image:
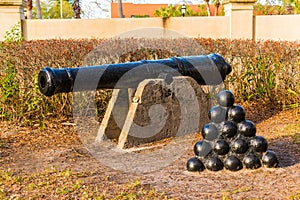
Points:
x=262 y=71
x=202 y=10
x=294 y=3
x=140 y=16
x=51 y=10
x=268 y=9
x=175 y=11
x=9 y=90
x=54 y=11
x=66 y=184
x=14 y=34
x=45 y=6
x=23 y=62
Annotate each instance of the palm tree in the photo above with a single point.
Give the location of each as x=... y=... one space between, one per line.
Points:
x=120 y=10
x=38 y=9
x=207 y=7
x=217 y=5
x=77 y=9
x=29 y=9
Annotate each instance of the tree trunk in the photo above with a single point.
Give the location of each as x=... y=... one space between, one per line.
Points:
x=207 y=7
x=120 y=10
x=77 y=9
x=217 y=5
x=29 y=9
x=38 y=9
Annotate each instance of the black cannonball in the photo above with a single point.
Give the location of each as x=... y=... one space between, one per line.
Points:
x=194 y=165
x=214 y=164
x=225 y=98
x=247 y=128
x=259 y=144
x=232 y=163
x=217 y=114
x=202 y=148
x=221 y=147
x=210 y=132
x=236 y=113
x=251 y=161
x=269 y=159
x=239 y=146
x=229 y=129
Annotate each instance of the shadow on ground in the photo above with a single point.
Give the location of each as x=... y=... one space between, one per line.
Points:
x=287 y=149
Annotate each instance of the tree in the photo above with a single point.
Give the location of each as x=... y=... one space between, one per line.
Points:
x=54 y=10
x=170 y=11
x=268 y=9
x=217 y=5
x=100 y=5
x=208 y=7
x=29 y=9
x=294 y=3
x=175 y=11
x=277 y=7
x=38 y=9
x=120 y=9
x=51 y=10
x=76 y=8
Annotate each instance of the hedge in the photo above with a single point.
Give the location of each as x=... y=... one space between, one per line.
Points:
x=263 y=71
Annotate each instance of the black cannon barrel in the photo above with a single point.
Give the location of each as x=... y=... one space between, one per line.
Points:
x=205 y=69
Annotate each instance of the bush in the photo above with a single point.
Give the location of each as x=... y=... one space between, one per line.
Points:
x=262 y=71
x=19 y=67
x=266 y=71
x=14 y=34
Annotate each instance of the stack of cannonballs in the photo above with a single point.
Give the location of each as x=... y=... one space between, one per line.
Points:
x=230 y=140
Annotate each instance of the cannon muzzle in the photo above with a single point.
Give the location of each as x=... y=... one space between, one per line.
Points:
x=209 y=69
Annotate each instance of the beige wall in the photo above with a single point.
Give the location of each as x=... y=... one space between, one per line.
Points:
x=275 y=27
x=9 y=16
x=278 y=27
x=214 y=27
x=207 y=27
x=238 y=23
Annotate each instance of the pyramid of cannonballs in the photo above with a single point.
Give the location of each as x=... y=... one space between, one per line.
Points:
x=230 y=140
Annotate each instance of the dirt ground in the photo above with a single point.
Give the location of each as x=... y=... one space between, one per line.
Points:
x=29 y=150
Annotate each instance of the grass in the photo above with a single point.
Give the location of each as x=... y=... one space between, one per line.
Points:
x=2 y=143
x=67 y=184
x=287 y=130
x=227 y=193
x=296 y=195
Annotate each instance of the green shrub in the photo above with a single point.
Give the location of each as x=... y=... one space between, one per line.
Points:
x=14 y=34
x=9 y=91
x=23 y=61
x=262 y=71
x=266 y=71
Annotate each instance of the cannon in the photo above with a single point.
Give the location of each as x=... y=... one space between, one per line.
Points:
x=204 y=69
x=149 y=83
